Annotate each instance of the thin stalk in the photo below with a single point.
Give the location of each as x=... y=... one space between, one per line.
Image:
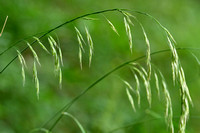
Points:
x=68 y=105
x=4 y=25
x=22 y=40
x=51 y=30
x=67 y=22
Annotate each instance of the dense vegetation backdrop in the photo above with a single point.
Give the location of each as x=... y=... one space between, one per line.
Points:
x=106 y=106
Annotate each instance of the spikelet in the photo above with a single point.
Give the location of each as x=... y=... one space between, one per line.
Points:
x=60 y=56
x=90 y=43
x=178 y=75
x=112 y=26
x=175 y=61
x=128 y=86
x=168 y=105
x=36 y=79
x=168 y=111
x=184 y=85
x=164 y=28
x=173 y=73
x=169 y=35
x=89 y=38
x=146 y=83
x=54 y=53
x=80 y=38
x=137 y=88
x=128 y=32
x=80 y=58
x=186 y=98
x=57 y=58
x=57 y=64
x=34 y=53
x=157 y=85
x=38 y=40
x=89 y=18
x=130 y=99
x=77 y=122
x=53 y=41
x=128 y=15
x=58 y=47
x=23 y=63
x=80 y=35
x=52 y=47
x=129 y=20
x=185 y=113
x=60 y=78
x=142 y=68
x=80 y=43
x=148 y=54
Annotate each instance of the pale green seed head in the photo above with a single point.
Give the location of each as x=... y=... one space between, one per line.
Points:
x=128 y=32
x=40 y=43
x=130 y=99
x=34 y=53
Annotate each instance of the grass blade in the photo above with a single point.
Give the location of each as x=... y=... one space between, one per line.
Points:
x=4 y=25
x=41 y=130
x=196 y=58
x=77 y=122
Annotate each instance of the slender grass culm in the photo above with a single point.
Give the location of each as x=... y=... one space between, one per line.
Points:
x=141 y=75
x=4 y=25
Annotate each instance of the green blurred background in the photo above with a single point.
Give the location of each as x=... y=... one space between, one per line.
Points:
x=105 y=107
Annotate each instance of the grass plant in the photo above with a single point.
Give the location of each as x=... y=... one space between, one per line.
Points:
x=142 y=74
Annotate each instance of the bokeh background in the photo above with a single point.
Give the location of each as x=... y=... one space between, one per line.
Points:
x=105 y=107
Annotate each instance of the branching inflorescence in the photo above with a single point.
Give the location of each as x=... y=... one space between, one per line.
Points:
x=139 y=72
